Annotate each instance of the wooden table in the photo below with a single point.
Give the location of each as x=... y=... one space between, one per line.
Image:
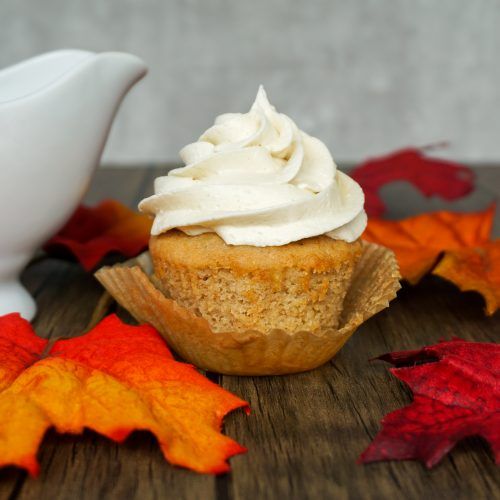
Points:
x=305 y=431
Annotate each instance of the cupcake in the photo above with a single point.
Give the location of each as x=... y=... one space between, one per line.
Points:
x=255 y=242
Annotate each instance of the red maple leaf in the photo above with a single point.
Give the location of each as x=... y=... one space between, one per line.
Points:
x=456 y=395
x=431 y=176
x=93 y=232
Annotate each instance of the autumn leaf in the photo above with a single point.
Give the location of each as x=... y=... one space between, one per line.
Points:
x=470 y=258
x=115 y=379
x=93 y=232
x=431 y=176
x=474 y=269
x=418 y=241
x=456 y=395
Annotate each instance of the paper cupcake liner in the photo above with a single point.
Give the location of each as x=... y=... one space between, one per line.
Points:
x=374 y=283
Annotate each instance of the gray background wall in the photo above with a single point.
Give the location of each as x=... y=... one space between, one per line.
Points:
x=366 y=76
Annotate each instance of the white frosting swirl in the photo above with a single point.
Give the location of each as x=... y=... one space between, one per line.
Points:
x=256 y=179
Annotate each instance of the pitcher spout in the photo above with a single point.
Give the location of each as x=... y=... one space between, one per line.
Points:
x=118 y=72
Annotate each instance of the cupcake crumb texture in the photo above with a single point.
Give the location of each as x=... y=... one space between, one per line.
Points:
x=302 y=290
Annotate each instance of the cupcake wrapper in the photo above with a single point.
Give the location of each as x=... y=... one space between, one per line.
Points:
x=374 y=283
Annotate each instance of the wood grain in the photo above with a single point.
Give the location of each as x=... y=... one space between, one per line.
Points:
x=305 y=431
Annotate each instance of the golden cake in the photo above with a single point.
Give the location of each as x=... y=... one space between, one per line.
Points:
x=298 y=286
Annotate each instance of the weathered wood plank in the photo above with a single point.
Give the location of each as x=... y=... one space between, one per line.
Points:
x=305 y=431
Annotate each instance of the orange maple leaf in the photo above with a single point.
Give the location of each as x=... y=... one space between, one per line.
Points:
x=115 y=379
x=470 y=258
x=93 y=232
x=475 y=269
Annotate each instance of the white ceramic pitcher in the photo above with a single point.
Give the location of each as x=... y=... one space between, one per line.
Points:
x=55 y=114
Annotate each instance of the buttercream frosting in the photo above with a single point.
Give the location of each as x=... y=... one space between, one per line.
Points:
x=256 y=179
